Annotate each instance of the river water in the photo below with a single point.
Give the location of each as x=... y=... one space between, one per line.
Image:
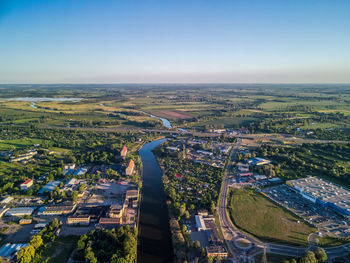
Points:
x=166 y=122
x=154 y=232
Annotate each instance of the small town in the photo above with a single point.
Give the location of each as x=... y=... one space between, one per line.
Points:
x=79 y=204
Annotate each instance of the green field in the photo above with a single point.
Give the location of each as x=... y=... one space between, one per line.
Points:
x=60 y=250
x=18 y=144
x=258 y=216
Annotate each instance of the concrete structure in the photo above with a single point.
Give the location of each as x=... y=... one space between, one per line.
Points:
x=49 y=187
x=216 y=251
x=27 y=184
x=130 y=169
x=325 y=193
x=116 y=211
x=132 y=195
x=78 y=220
x=20 y=211
x=124 y=152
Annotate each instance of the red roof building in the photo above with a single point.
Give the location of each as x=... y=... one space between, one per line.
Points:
x=124 y=152
x=25 y=185
x=130 y=169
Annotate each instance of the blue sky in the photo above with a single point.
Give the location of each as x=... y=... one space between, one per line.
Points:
x=99 y=41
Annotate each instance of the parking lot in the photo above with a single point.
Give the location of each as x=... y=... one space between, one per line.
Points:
x=327 y=221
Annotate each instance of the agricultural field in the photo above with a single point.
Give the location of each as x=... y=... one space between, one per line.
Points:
x=258 y=216
x=305 y=110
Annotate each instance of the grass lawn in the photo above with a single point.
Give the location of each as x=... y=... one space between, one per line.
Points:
x=61 y=249
x=258 y=216
x=272 y=258
x=6 y=145
x=330 y=241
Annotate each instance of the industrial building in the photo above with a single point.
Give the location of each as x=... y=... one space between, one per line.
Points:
x=49 y=187
x=78 y=220
x=58 y=209
x=20 y=211
x=324 y=193
x=132 y=195
x=206 y=223
x=9 y=251
x=116 y=210
x=110 y=222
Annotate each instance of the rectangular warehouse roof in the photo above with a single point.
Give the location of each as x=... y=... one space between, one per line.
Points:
x=324 y=191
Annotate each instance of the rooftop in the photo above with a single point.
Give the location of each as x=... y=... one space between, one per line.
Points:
x=324 y=191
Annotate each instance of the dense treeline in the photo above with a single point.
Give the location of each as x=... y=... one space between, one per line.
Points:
x=103 y=245
x=327 y=159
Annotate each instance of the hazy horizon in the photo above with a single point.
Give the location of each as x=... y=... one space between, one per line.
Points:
x=159 y=42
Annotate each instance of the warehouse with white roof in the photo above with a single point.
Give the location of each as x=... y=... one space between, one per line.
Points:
x=324 y=193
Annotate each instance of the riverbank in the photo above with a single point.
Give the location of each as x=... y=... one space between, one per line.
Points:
x=154 y=242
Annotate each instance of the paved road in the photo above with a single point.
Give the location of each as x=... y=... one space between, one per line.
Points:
x=230 y=232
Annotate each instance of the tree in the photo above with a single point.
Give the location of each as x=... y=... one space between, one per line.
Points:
x=116 y=259
x=309 y=257
x=81 y=242
x=36 y=241
x=197 y=244
x=55 y=223
x=74 y=196
x=90 y=256
x=321 y=255
x=26 y=254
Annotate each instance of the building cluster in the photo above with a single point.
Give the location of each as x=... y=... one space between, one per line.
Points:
x=72 y=169
x=23 y=158
x=107 y=214
x=244 y=175
x=201 y=151
x=214 y=245
x=324 y=193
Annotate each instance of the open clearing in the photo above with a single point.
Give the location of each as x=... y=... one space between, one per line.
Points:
x=173 y=114
x=260 y=217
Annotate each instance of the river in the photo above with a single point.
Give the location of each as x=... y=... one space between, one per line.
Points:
x=154 y=239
